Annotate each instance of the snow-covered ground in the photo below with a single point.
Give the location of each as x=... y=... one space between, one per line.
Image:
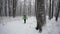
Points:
x=10 y=25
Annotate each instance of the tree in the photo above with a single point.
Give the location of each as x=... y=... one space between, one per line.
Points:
x=57 y=12
x=24 y=8
x=1 y=3
x=20 y=7
x=14 y=7
x=5 y=7
x=29 y=8
x=51 y=9
x=40 y=13
x=10 y=5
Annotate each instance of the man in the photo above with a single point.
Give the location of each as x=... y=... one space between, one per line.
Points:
x=24 y=17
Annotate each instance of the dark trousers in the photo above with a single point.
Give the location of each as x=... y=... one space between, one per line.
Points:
x=24 y=20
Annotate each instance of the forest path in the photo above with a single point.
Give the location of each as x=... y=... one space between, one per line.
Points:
x=10 y=25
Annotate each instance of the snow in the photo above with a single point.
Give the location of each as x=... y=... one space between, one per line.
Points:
x=10 y=25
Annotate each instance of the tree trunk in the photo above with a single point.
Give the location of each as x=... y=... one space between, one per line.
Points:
x=40 y=14
x=5 y=7
x=24 y=8
x=1 y=3
x=50 y=10
x=20 y=8
x=14 y=7
x=57 y=13
x=29 y=8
